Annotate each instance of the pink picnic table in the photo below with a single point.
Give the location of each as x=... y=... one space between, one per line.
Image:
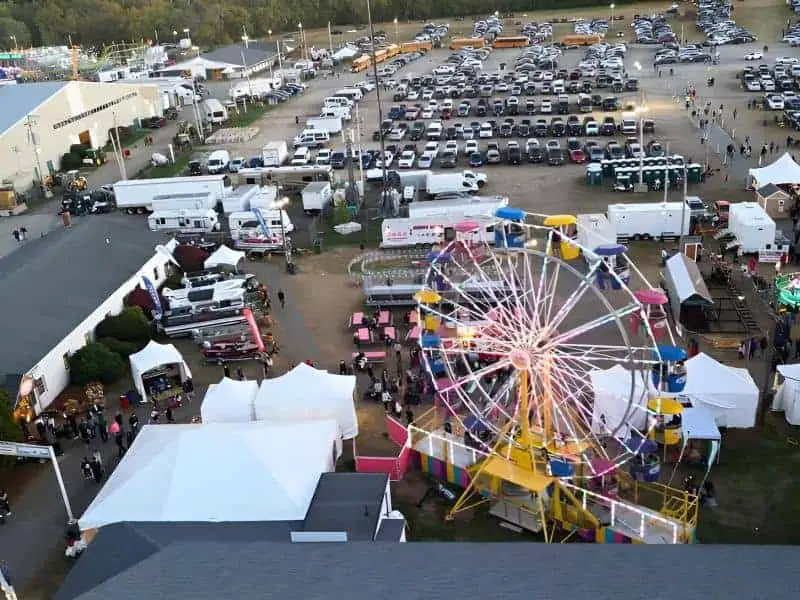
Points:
x=364 y=334
x=413 y=317
x=384 y=318
x=389 y=332
x=413 y=333
x=357 y=319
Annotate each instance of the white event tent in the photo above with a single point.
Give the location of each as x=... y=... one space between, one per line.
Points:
x=224 y=257
x=728 y=393
x=217 y=472
x=787 y=396
x=620 y=399
x=229 y=401
x=152 y=356
x=783 y=171
x=305 y=394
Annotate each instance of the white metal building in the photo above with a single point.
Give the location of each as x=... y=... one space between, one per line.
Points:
x=39 y=121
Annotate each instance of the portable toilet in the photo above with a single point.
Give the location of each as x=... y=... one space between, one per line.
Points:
x=694 y=173
x=607 y=166
x=594 y=174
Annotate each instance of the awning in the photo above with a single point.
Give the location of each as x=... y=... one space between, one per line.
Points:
x=685 y=284
x=697 y=423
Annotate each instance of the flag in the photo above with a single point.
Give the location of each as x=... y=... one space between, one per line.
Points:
x=157 y=310
x=251 y=321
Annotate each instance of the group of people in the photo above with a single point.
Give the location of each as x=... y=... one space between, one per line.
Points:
x=20 y=235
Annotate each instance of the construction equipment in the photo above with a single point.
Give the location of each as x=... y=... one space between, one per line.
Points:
x=73 y=181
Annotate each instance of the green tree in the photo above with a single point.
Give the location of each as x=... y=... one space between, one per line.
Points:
x=9 y=430
x=124 y=349
x=131 y=325
x=95 y=362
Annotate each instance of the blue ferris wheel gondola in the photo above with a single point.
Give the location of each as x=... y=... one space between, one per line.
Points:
x=509 y=234
x=670 y=374
x=610 y=255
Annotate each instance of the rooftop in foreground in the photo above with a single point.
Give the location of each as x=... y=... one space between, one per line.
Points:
x=52 y=284
x=21 y=99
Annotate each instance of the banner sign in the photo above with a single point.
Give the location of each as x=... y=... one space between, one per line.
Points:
x=251 y=321
x=24 y=450
x=157 y=310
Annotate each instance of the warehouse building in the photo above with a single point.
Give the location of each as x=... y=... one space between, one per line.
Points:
x=40 y=121
x=236 y=61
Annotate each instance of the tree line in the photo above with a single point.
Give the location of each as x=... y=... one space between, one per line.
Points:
x=92 y=23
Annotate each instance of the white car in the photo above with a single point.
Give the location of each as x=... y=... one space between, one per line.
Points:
x=427 y=113
x=592 y=128
x=431 y=148
x=425 y=161
x=323 y=157
x=768 y=85
x=752 y=85
x=364 y=85
x=427 y=95
x=451 y=146
x=753 y=56
x=478 y=179
x=485 y=131
x=774 y=102
x=546 y=107
x=413 y=95
x=236 y=164
x=407 y=159
x=471 y=147
x=388 y=159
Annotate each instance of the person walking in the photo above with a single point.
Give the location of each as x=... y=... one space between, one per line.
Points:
x=133 y=422
x=119 y=441
x=102 y=426
x=386 y=398
x=188 y=389
x=226 y=370
x=4 y=504
x=170 y=418
x=282 y=299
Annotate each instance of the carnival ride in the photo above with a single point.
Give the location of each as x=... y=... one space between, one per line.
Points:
x=510 y=337
x=788 y=288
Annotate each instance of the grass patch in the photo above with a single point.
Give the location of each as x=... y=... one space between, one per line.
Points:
x=370 y=235
x=245 y=119
x=127 y=141
x=171 y=170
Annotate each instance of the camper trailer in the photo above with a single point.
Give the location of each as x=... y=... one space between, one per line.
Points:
x=247 y=220
x=427 y=231
x=214 y=112
x=184 y=221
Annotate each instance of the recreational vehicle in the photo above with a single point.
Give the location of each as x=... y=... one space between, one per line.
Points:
x=184 y=221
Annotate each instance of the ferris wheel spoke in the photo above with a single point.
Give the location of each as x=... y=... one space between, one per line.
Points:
x=476 y=375
x=631 y=356
x=613 y=316
x=570 y=303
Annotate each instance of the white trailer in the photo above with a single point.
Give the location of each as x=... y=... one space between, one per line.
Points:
x=651 y=220
x=274 y=154
x=443 y=183
x=332 y=125
x=402 y=233
x=289 y=178
x=253 y=88
x=184 y=221
x=595 y=230
x=316 y=196
x=190 y=201
x=459 y=209
x=214 y=112
x=752 y=226
x=239 y=199
x=135 y=196
x=248 y=221
x=266 y=198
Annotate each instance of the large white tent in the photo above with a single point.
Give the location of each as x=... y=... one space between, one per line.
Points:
x=728 y=393
x=152 y=356
x=229 y=401
x=782 y=171
x=224 y=257
x=787 y=397
x=620 y=399
x=305 y=394
x=216 y=473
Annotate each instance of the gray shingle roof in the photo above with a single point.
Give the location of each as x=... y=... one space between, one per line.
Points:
x=348 y=502
x=54 y=283
x=422 y=571
x=17 y=101
x=253 y=54
x=769 y=189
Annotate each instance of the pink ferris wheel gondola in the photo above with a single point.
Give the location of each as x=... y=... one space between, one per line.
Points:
x=654 y=304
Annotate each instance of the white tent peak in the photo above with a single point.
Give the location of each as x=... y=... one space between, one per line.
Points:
x=216 y=473
x=152 y=356
x=783 y=171
x=224 y=257
x=229 y=401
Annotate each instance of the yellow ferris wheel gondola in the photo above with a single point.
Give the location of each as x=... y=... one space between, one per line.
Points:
x=566 y=227
x=431 y=321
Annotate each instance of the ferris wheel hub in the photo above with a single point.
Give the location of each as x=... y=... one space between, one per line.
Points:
x=520 y=359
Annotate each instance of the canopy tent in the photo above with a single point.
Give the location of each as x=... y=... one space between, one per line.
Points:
x=782 y=171
x=197 y=66
x=345 y=53
x=152 y=356
x=224 y=257
x=620 y=398
x=697 y=423
x=787 y=397
x=728 y=393
x=686 y=290
x=216 y=473
x=307 y=394
x=229 y=401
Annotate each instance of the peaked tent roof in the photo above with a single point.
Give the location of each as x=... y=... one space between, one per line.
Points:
x=307 y=394
x=155 y=355
x=224 y=257
x=782 y=171
x=216 y=472
x=229 y=401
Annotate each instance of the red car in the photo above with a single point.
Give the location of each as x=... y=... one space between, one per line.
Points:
x=577 y=156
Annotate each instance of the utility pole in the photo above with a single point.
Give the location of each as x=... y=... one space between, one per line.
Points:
x=117 y=146
x=32 y=121
x=201 y=134
x=384 y=180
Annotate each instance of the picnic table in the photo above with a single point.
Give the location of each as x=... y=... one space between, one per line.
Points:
x=390 y=332
x=363 y=335
x=356 y=319
x=384 y=318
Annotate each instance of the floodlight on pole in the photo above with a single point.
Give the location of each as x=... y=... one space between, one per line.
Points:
x=13 y=37
x=613 y=6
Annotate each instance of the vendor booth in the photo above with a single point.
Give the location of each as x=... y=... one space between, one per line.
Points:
x=224 y=257
x=701 y=436
x=229 y=401
x=218 y=472
x=787 y=396
x=308 y=394
x=783 y=171
x=158 y=371
x=688 y=295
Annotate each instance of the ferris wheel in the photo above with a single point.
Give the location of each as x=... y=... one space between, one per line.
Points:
x=515 y=333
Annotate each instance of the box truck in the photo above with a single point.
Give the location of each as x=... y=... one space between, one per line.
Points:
x=752 y=226
x=651 y=220
x=184 y=221
x=274 y=154
x=423 y=231
x=442 y=183
x=316 y=196
x=135 y=196
x=332 y=125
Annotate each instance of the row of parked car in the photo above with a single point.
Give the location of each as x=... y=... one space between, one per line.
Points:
x=714 y=19
x=690 y=53
x=781 y=78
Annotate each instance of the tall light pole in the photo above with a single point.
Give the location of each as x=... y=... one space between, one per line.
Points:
x=384 y=180
x=302 y=44
x=641 y=111
x=32 y=121
x=613 y=6
x=396 y=35
x=13 y=37
x=280 y=205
